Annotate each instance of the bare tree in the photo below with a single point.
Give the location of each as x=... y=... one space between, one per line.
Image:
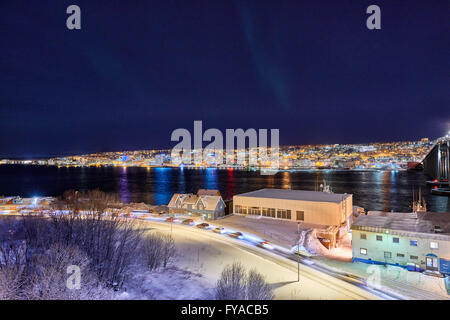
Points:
x=13 y=267
x=10 y=283
x=257 y=288
x=79 y=220
x=236 y=284
x=42 y=274
x=168 y=249
x=158 y=250
x=36 y=250
x=232 y=283
x=50 y=279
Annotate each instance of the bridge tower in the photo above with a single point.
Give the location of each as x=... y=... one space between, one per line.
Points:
x=437 y=162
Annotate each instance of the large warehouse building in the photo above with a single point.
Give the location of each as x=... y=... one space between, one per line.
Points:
x=319 y=208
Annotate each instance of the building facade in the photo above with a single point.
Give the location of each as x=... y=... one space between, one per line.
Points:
x=205 y=205
x=319 y=208
x=418 y=241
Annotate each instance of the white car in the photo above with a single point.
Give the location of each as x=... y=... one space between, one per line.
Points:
x=265 y=244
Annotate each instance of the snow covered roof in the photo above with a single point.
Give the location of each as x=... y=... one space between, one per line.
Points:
x=190 y=199
x=302 y=195
x=173 y=200
x=208 y=192
x=210 y=202
x=435 y=225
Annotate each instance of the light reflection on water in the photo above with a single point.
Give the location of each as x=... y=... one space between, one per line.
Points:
x=373 y=190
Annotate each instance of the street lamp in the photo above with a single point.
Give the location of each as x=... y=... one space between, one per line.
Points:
x=298 y=252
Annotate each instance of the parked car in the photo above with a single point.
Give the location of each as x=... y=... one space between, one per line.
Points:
x=203 y=225
x=219 y=230
x=170 y=219
x=188 y=221
x=237 y=235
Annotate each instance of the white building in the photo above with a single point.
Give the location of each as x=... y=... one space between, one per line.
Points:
x=415 y=240
x=206 y=205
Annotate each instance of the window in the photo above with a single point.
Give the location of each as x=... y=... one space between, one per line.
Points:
x=379 y=238
x=413 y=257
x=254 y=211
x=434 y=245
x=271 y=213
x=279 y=213
x=363 y=236
x=300 y=215
x=396 y=240
x=387 y=255
x=400 y=255
x=363 y=251
x=413 y=243
x=240 y=209
x=283 y=214
x=265 y=212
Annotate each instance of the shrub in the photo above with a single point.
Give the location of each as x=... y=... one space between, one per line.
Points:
x=35 y=251
x=236 y=284
x=158 y=250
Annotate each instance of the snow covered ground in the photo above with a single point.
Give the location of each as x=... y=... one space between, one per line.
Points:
x=282 y=233
x=172 y=283
x=410 y=285
x=203 y=254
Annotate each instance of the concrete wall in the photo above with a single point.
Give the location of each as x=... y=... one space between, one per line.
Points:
x=376 y=249
x=321 y=213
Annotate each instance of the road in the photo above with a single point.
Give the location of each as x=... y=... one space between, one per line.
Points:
x=206 y=252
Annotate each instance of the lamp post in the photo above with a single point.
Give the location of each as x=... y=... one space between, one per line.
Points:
x=298 y=252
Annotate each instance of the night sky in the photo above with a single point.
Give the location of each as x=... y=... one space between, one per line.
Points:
x=137 y=70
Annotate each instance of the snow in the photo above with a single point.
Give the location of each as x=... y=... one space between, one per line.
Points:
x=201 y=257
x=279 y=232
x=284 y=234
x=343 y=251
x=171 y=283
x=403 y=283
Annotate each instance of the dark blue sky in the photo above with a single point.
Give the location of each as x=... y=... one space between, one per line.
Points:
x=140 y=69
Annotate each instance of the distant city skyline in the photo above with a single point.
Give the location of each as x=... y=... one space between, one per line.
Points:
x=137 y=71
x=170 y=148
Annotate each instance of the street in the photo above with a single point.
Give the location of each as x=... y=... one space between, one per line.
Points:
x=207 y=253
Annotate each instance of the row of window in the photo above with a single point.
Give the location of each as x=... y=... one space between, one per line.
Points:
x=269 y=212
x=388 y=255
x=413 y=243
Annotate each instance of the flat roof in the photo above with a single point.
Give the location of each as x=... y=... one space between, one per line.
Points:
x=421 y=222
x=301 y=195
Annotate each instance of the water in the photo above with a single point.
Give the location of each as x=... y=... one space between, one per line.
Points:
x=372 y=190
